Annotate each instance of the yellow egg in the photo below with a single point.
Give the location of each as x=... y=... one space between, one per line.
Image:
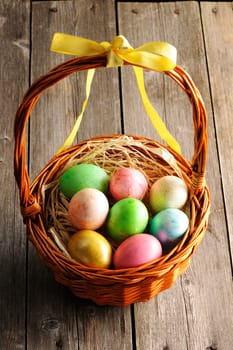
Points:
x=90 y=248
x=168 y=192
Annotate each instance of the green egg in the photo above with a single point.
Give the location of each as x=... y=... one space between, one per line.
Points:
x=82 y=176
x=127 y=217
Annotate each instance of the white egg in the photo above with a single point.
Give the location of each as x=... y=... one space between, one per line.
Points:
x=168 y=192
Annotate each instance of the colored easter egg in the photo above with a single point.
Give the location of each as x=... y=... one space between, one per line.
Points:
x=88 y=209
x=128 y=182
x=137 y=250
x=168 y=192
x=168 y=225
x=90 y=248
x=82 y=176
x=127 y=217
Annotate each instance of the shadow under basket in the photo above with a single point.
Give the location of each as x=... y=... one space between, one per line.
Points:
x=109 y=286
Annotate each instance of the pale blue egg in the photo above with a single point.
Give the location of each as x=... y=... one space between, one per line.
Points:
x=169 y=224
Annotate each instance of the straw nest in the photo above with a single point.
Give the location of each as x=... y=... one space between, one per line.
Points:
x=108 y=154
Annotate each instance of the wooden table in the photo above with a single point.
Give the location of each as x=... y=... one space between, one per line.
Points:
x=35 y=311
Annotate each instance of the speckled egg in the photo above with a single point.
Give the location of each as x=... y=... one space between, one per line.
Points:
x=128 y=182
x=168 y=192
x=88 y=209
x=169 y=225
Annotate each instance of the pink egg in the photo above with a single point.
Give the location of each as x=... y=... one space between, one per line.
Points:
x=88 y=209
x=128 y=182
x=137 y=250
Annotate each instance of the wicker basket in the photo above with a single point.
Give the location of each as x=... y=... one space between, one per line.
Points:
x=108 y=286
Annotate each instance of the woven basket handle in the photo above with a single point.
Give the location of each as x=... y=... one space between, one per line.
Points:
x=29 y=206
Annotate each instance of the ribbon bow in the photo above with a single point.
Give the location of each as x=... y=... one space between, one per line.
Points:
x=157 y=56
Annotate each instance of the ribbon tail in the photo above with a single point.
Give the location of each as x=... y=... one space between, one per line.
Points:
x=155 y=119
x=70 y=139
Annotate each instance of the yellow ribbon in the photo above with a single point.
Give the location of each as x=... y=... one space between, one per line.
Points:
x=70 y=139
x=157 y=56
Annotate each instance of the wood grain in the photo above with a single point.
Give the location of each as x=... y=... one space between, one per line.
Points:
x=102 y=114
x=14 y=74
x=35 y=311
x=217 y=23
x=195 y=302
x=55 y=318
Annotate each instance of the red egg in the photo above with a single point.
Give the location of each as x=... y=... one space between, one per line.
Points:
x=128 y=182
x=137 y=250
x=88 y=209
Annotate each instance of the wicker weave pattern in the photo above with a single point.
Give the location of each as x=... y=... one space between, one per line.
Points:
x=112 y=287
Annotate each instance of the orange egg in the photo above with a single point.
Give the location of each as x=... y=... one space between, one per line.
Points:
x=88 y=209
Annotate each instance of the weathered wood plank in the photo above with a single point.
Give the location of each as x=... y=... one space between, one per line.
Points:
x=217 y=22
x=14 y=74
x=55 y=318
x=83 y=19
x=195 y=313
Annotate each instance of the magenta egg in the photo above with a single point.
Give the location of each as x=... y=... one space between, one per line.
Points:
x=137 y=250
x=128 y=183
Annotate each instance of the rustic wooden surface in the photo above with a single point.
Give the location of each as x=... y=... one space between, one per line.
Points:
x=36 y=312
